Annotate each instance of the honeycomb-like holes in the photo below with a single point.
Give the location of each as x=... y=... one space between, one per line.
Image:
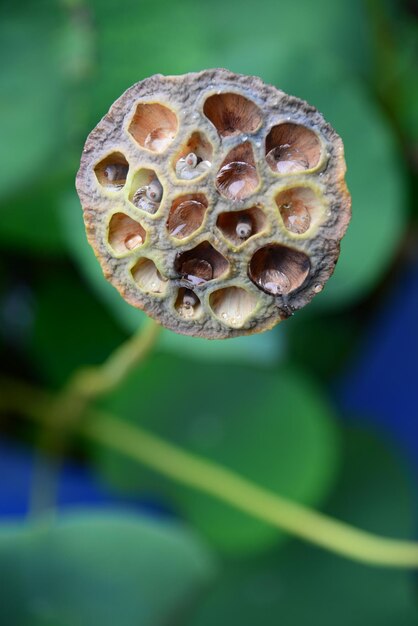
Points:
x=201 y=264
x=232 y=114
x=146 y=179
x=232 y=305
x=239 y=226
x=112 y=171
x=186 y=215
x=292 y=148
x=188 y=305
x=125 y=234
x=199 y=145
x=300 y=208
x=148 y=278
x=237 y=178
x=278 y=270
x=153 y=126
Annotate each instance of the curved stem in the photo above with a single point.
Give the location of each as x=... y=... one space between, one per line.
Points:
x=223 y=484
x=68 y=407
x=231 y=488
x=91 y=382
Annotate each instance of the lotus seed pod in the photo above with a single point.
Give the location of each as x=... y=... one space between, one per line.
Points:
x=214 y=202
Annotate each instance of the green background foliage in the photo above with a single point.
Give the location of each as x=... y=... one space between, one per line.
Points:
x=103 y=568
x=259 y=405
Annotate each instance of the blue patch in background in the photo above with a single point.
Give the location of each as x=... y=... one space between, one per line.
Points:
x=381 y=386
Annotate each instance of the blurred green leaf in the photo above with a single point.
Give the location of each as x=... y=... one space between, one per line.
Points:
x=303 y=585
x=235 y=39
x=274 y=428
x=99 y=568
x=322 y=343
x=70 y=328
x=42 y=111
x=217 y=34
x=33 y=89
x=264 y=349
x=143 y=39
x=30 y=219
x=395 y=36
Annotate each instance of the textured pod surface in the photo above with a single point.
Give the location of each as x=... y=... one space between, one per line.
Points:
x=214 y=202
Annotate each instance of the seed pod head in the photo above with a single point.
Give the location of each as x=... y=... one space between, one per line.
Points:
x=214 y=202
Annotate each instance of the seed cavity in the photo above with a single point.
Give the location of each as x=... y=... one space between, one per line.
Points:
x=278 y=270
x=299 y=207
x=191 y=166
x=232 y=305
x=232 y=114
x=286 y=159
x=112 y=171
x=116 y=173
x=146 y=191
x=153 y=126
x=201 y=264
x=237 y=177
x=274 y=281
x=238 y=226
x=295 y=216
x=187 y=303
x=158 y=139
x=148 y=278
x=125 y=234
x=197 y=271
x=194 y=160
x=186 y=215
x=292 y=148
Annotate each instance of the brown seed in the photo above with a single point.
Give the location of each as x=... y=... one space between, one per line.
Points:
x=186 y=218
x=296 y=217
x=197 y=271
x=274 y=281
x=237 y=179
x=285 y=159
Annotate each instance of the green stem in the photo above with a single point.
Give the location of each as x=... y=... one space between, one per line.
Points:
x=70 y=405
x=225 y=485
x=92 y=382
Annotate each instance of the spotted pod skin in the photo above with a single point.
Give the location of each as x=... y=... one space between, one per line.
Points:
x=242 y=245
